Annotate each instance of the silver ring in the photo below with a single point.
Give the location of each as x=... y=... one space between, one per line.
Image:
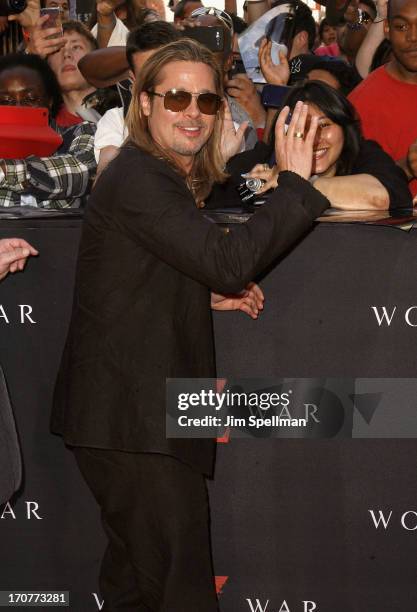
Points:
x=298 y=135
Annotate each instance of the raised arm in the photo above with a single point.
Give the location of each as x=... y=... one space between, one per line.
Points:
x=104 y=67
x=372 y=40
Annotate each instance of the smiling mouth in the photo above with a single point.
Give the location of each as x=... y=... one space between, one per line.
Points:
x=319 y=153
x=191 y=131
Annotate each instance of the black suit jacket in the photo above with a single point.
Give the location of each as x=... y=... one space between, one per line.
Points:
x=142 y=303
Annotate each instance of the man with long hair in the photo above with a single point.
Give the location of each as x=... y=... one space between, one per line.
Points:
x=142 y=314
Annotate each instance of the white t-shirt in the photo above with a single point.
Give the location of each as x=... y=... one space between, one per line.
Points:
x=111 y=130
x=118 y=36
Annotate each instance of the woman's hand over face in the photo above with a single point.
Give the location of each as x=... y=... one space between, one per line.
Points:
x=294 y=147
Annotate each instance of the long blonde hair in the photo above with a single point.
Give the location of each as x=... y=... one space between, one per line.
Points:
x=208 y=166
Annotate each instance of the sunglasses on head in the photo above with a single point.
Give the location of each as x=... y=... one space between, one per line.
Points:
x=211 y=10
x=177 y=100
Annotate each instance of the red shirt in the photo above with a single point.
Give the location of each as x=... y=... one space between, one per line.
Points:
x=333 y=50
x=388 y=111
x=66 y=119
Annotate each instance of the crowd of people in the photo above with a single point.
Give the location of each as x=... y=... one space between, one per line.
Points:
x=84 y=76
x=158 y=121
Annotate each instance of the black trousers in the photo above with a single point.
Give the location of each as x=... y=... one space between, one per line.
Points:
x=156 y=516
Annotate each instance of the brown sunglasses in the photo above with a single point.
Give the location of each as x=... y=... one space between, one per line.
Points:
x=178 y=100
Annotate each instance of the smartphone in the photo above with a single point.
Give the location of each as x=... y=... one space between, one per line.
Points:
x=237 y=68
x=54 y=19
x=274 y=95
x=212 y=37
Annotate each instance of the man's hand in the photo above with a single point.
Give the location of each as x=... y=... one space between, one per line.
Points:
x=231 y=139
x=13 y=255
x=41 y=42
x=275 y=74
x=29 y=17
x=294 y=148
x=244 y=91
x=250 y=300
x=188 y=22
x=105 y=7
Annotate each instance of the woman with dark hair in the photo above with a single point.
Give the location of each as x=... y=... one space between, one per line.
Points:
x=353 y=173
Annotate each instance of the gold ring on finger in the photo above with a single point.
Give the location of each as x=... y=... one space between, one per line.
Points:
x=298 y=135
x=266 y=167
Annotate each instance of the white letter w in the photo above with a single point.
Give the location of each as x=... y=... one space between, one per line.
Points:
x=384 y=316
x=258 y=607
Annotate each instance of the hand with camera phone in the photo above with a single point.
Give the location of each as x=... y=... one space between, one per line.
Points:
x=44 y=39
x=294 y=145
x=244 y=91
x=29 y=17
x=274 y=74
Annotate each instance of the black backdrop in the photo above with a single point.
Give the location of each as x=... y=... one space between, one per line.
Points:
x=290 y=518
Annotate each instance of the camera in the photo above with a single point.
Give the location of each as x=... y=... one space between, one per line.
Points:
x=247 y=190
x=11 y=7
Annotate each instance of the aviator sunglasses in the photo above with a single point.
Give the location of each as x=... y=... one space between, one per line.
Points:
x=177 y=100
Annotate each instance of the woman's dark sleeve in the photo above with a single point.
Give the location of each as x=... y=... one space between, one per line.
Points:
x=373 y=160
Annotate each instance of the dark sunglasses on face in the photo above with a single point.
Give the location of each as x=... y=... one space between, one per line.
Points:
x=26 y=101
x=177 y=100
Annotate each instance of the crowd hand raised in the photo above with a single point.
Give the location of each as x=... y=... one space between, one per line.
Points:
x=41 y=42
x=294 y=148
x=381 y=9
x=265 y=173
x=29 y=17
x=250 y=301
x=13 y=255
x=274 y=74
x=106 y=7
x=231 y=139
x=244 y=91
x=188 y=22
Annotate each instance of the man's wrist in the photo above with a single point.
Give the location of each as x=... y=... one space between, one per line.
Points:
x=106 y=22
